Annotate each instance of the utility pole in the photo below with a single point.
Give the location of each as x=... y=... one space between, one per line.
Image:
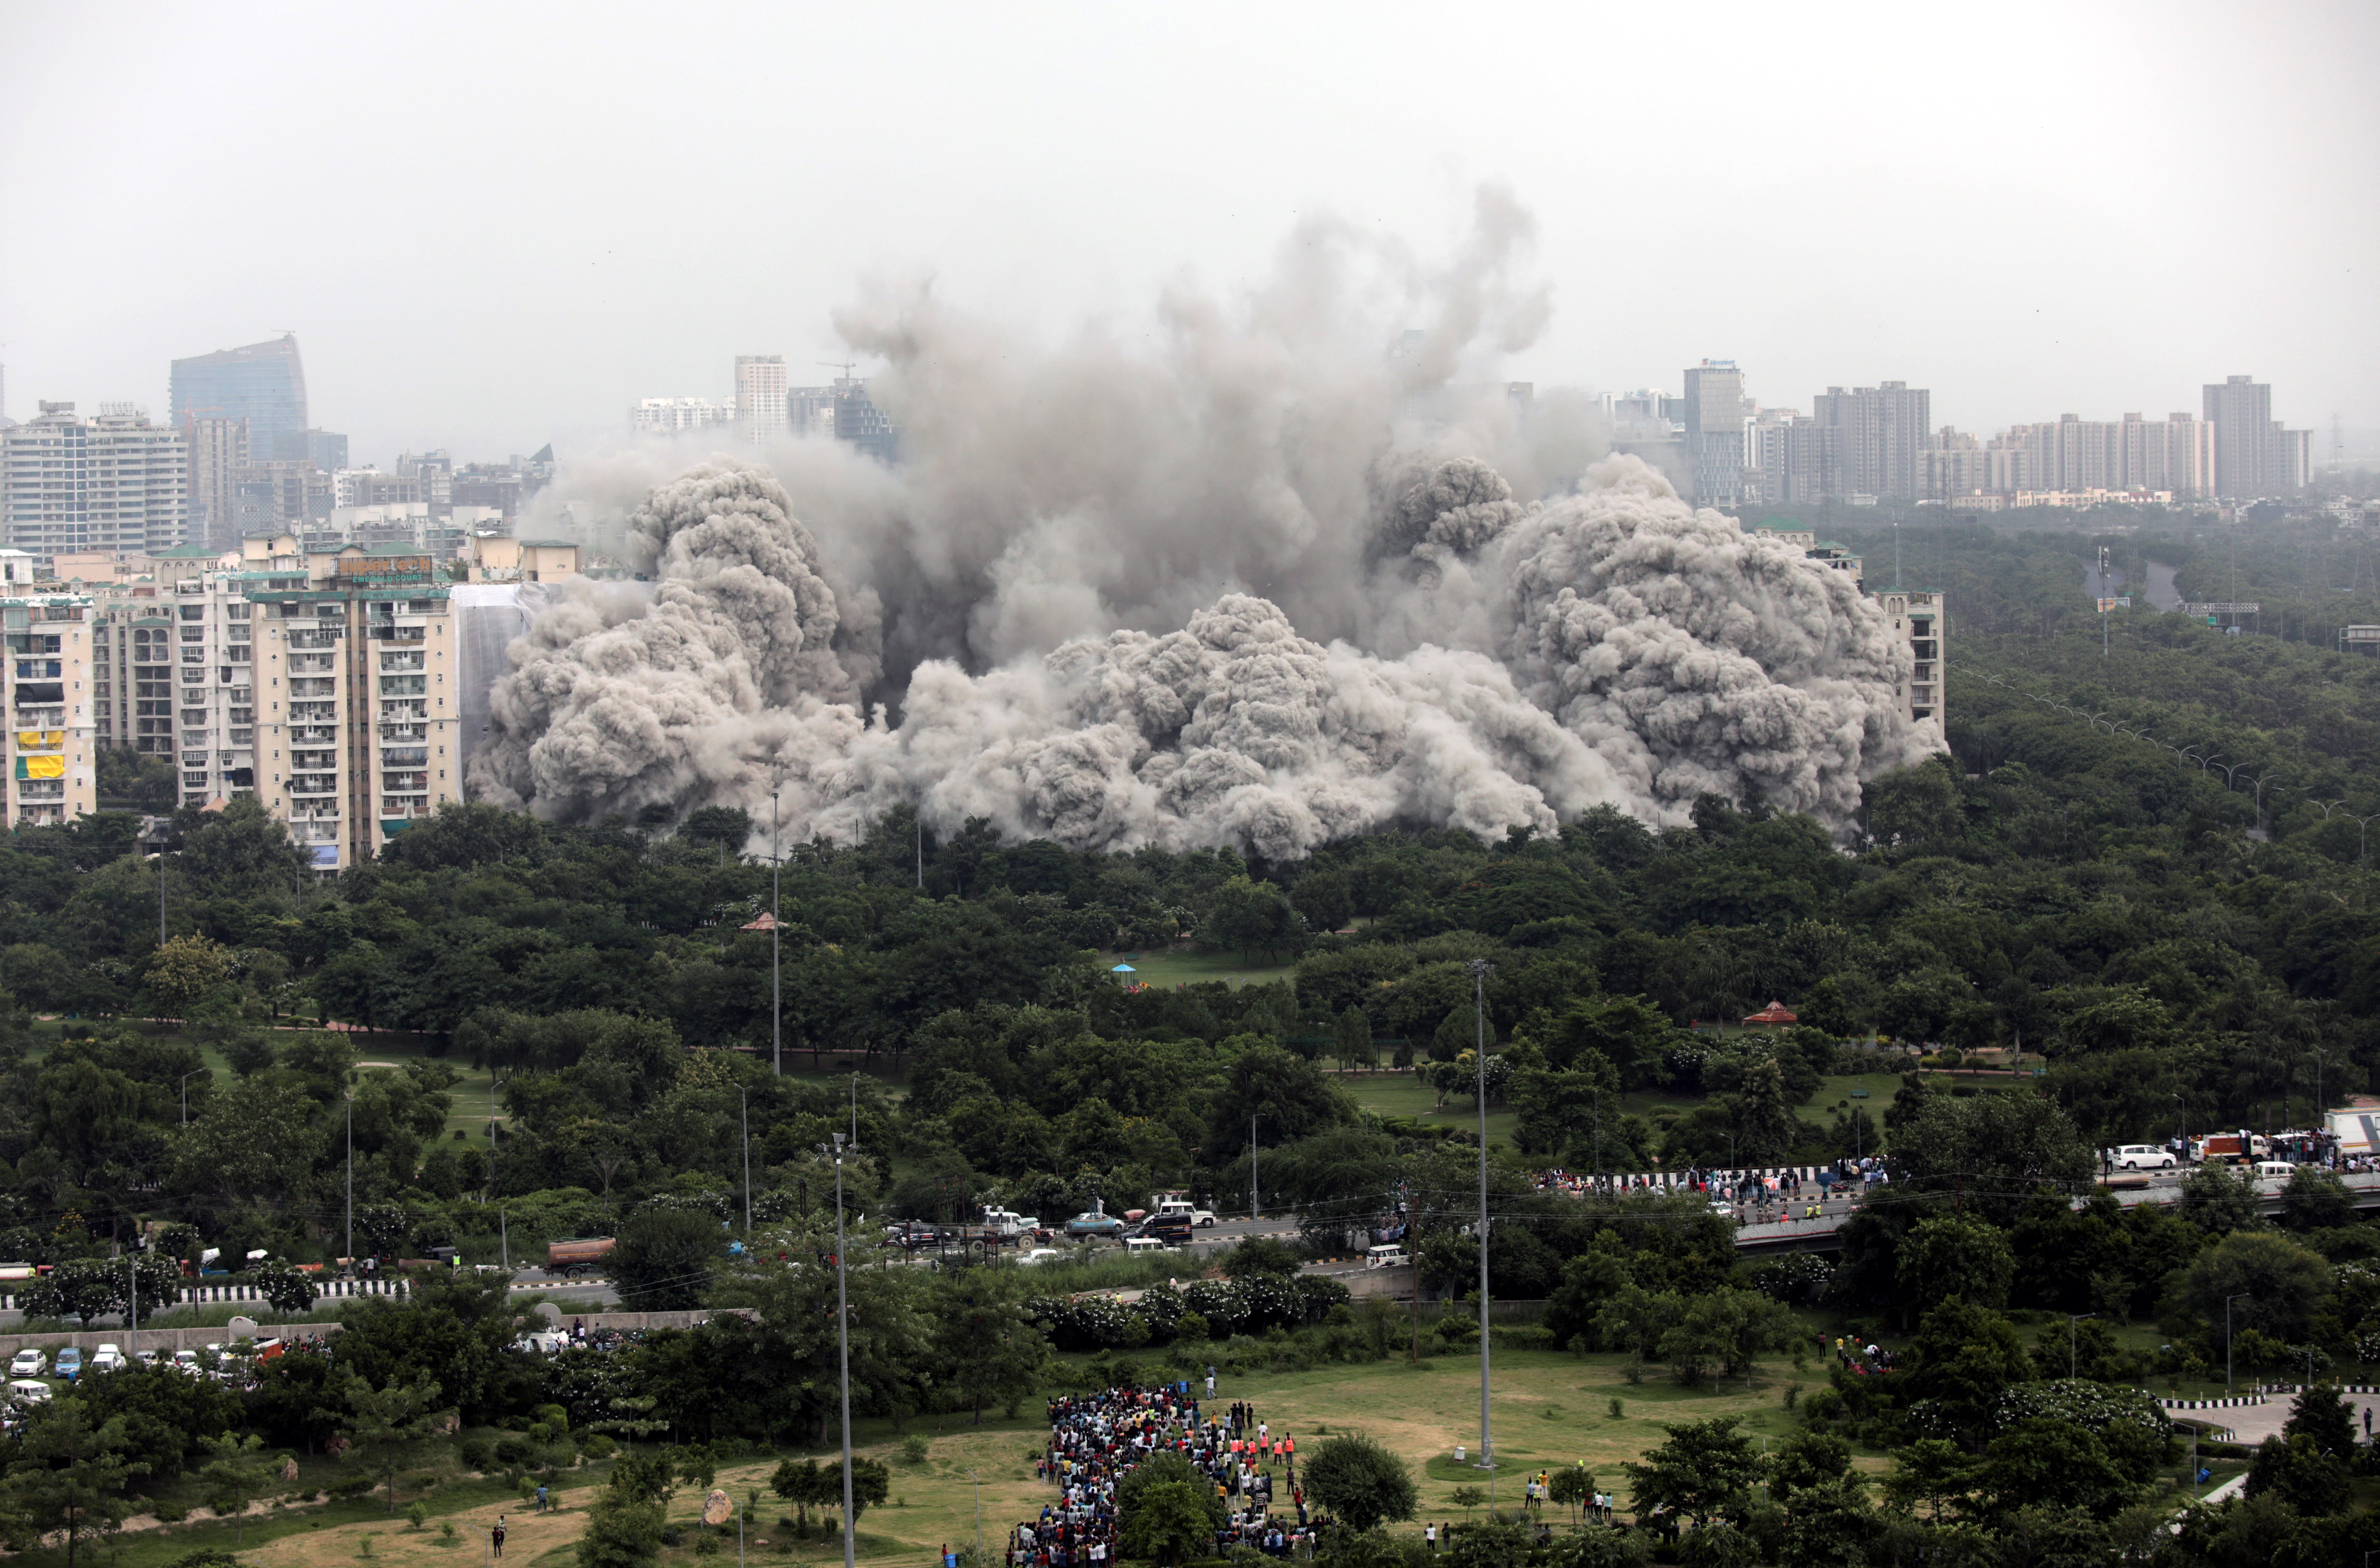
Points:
x=842 y=1338
x=744 y=1116
x=1480 y=969
x=776 y=984
x=2104 y=601
x=351 y=1177
x=1255 y=1202
x=132 y=1306
x=2227 y=1339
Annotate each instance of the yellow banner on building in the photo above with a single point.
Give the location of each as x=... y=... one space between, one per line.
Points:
x=36 y=740
x=40 y=767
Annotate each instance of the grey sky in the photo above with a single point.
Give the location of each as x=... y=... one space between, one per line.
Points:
x=490 y=226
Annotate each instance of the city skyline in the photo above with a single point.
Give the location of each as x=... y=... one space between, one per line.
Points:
x=561 y=262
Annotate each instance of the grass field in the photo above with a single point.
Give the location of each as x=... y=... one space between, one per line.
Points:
x=1549 y=1409
x=1401 y=1094
x=1171 y=969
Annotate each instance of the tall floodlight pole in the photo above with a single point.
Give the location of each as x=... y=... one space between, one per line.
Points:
x=1480 y=969
x=842 y=1338
x=1255 y=1199
x=776 y=983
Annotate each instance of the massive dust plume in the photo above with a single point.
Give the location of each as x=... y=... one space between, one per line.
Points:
x=1256 y=581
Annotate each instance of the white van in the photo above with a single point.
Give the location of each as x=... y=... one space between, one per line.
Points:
x=2280 y=1167
x=25 y=1391
x=2145 y=1157
x=1389 y=1255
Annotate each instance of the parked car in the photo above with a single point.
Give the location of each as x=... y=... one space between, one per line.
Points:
x=1094 y=1223
x=107 y=1358
x=145 y=1357
x=1145 y=1244
x=2280 y=1167
x=30 y=1363
x=2145 y=1157
x=1388 y=1256
x=1038 y=1256
x=1722 y=1208
x=189 y=1361
x=69 y=1363
x=26 y=1391
x=1181 y=1208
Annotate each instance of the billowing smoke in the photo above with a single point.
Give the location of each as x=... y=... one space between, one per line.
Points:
x=1264 y=584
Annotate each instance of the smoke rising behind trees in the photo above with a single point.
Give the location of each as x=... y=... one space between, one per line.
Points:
x=1258 y=583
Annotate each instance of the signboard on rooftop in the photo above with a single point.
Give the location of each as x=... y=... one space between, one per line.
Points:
x=388 y=568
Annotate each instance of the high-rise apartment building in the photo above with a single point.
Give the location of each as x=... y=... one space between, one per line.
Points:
x=263 y=383
x=2253 y=455
x=1876 y=433
x=218 y=449
x=1918 y=621
x=859 y=421
x=760 y=397
x=1715 y=432
x=114 y=482
x=677 y=415
x=46 y=751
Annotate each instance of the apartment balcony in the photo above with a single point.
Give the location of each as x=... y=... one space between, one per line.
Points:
x=40 y=669
x=42 y=816
x=403 y=805
x=313 y=663
x=394 y=663
x=404 y=686
x=400 y=634
x=313 y=786
x=318 y=686
x=313 y=734
x=404 y=783
x=1926 y=648
x=403 y=732
x=314 y=712
x=243 y=737
x=299 y=640
x=41 y=789
x=405 y=757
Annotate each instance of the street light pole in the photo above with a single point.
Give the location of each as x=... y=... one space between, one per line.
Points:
x=776 y=983
x=1480 y=969
x=351 y=1177
x=1255 y=1199
x=843 y=1339
x=744 y=1117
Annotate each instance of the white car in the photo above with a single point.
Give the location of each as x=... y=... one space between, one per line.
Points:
x=1135 y=1245
x=187 y=1361
x=30 y=1363
x=145 y=1357
x=25 y=1391
x=2145 y=1157
x=1038 y=1256
x=107 y=1358
x=1388 y=1255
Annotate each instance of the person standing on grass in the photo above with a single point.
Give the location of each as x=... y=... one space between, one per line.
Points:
x=496 y=1536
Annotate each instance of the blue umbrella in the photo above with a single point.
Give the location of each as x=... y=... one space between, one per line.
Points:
x=1123 y=969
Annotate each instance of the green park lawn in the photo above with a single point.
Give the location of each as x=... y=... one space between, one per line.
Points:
x=1171 y=969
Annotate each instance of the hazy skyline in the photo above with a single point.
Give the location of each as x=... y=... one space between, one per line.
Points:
x=490 y=229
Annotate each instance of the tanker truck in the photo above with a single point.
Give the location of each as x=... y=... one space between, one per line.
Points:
x=578 y=1256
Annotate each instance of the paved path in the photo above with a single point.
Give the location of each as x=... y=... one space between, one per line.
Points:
x=2253 y=1424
